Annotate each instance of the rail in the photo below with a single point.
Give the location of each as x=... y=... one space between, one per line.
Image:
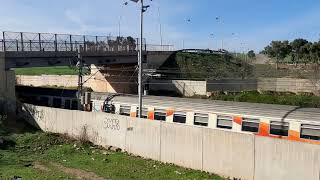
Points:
x=23 y=41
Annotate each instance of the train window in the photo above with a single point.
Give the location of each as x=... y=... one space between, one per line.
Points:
x=279 y=128
x=74 y=104
x=310 y=132
x=125 y=110
x=57 y=102
x=67 y=104
x=44 y=101
x=224 y=122
x=144 y=112
x=179 y=117
x=160 y=114
x=201 y=119
x=250 y=125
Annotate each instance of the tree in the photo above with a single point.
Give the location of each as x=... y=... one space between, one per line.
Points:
x=251 y=54
x=297 y=52
x=131 y=43
x=305 y=53
x=315 y=53
x=278 y=50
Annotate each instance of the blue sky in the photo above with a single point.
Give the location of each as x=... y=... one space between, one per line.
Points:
x=242 y=24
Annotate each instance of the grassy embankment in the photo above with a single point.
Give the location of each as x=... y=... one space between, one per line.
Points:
x=206 y=66
x=302 y=100
x=37 y=155
x=59 y=70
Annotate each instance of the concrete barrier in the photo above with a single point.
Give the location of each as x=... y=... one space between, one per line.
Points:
x=85 y=124
x=181 y=145
x=228 y=154
x=112 y=130
x=64 y=123
x=143 y=138
x=280 y=159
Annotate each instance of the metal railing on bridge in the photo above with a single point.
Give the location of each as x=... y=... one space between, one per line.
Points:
x=24 y=41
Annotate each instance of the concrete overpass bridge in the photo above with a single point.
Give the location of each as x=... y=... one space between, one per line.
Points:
x=103 y=53
x=42 y=49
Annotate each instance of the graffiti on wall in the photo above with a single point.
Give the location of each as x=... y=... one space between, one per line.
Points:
x=111 y=123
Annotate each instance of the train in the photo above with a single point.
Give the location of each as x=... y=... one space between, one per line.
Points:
x=269 y=120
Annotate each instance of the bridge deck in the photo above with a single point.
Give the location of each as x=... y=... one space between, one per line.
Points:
x=42 y=49
x=44 y=59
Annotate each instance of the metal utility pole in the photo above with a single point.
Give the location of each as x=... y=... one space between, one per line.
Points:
x=80 y=79
x=140 y=60
x=140 y=63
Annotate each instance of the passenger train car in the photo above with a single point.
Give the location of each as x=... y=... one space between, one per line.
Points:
x=276 y=121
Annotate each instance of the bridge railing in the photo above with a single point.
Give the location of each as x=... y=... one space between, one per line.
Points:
x=22 y=41
x=154 y=47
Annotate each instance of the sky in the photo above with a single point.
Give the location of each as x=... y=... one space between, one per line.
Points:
x=235 y=25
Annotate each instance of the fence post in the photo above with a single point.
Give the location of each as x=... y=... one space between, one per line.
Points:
x=17 y=43
x=22 y=44
x=4 y=41
x=76 y=45
x=30 y=43
x=71 y=42
x=40 y=41
x=84 y=44
x=65 y=44
x=55 y=42
x=96 y=43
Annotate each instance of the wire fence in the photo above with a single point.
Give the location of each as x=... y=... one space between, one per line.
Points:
x=25 y=41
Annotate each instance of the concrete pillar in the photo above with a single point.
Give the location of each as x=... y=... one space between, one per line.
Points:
x=7 y=86
x=3 y=81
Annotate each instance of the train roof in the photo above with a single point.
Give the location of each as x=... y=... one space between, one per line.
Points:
x=270 y=111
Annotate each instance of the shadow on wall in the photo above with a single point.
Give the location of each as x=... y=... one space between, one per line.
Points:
x=165 y=93
x=115 y=79
x=28 y=114
x=185 y=88
x=232 y=85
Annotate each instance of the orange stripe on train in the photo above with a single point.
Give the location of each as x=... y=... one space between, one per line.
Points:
x=170 y=112
x=294 y=135
x=263 y=129
x=151 y=115
x=133 y=114
x=237 y=119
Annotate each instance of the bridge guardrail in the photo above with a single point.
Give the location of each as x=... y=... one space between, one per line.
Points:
x=23 y=41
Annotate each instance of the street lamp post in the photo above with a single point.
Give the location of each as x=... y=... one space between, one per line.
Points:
x=140 y=63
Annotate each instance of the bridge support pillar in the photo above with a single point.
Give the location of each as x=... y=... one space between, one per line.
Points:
x=7 y=87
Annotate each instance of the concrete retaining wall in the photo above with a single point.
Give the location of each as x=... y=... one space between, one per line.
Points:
x=229 y=154
x=235 y=85
x=288 y=85
x=184 y=87
x=50 y=80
